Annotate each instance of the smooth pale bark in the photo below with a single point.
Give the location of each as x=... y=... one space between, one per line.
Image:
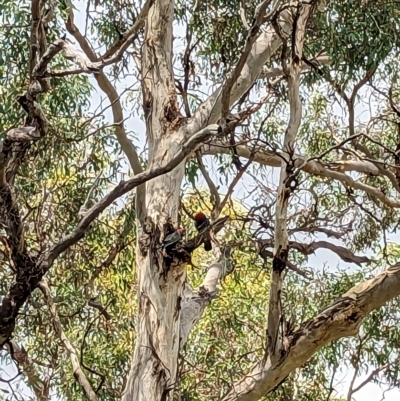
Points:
x=155 y=360
x=194 y=303
x=342 y=318
x=264 y=47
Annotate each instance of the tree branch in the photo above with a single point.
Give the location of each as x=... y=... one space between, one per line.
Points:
x=117 y=50
x=79 y=375
x=195 y=302
x=308 y=249
x=314 y=167
x=251 y=38
x=368 y=379
x=342 y=318
x=287 y=184
x=264 y=47
x=70 y=54
x=345 y=254
x=269 y=73
x=118 y=116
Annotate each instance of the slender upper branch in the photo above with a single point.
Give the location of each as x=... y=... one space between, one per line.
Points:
x=263 y=48
x=129 y=36
x=251 y=38
x=118 y=115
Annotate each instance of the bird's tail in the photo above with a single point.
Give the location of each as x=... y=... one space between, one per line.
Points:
x=207 y=245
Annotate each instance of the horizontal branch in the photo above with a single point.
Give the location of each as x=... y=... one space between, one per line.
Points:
x=345 y=254
x=315 y=229
x=278 y=71
x=308 y=249
x=23 y=134
x=70 y=53
x=314 y=167
x=342 y=318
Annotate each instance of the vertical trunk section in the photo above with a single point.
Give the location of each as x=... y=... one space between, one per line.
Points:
x=154 y=364
x=287 y=184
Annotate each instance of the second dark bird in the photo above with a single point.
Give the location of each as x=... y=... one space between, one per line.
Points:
x=173 y=239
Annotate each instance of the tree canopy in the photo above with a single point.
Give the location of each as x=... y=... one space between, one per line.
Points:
x=119 y=120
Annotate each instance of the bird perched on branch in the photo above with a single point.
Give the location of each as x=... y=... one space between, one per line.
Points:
x=201 y=222
x=173 y=239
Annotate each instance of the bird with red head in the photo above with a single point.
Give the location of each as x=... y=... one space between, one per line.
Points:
x=201 y=222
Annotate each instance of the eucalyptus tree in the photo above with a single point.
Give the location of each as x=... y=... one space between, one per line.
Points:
x=255 y=86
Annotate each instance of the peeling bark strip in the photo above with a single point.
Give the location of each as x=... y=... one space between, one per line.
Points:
x=340 y=319
x=281 y=250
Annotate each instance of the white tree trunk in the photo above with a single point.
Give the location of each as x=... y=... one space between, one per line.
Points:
x=155 y=360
